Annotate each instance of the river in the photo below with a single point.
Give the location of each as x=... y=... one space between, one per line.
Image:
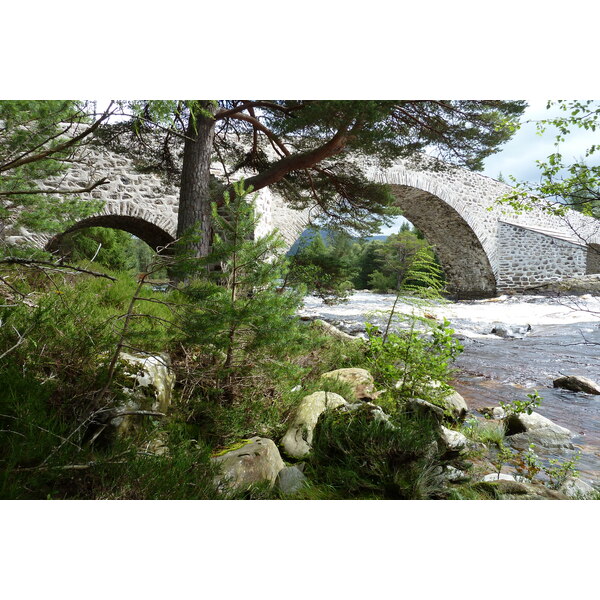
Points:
x=554 y=336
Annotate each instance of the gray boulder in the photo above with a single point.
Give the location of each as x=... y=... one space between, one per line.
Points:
x=298 y=439
x=576 y=488
x=291 y=480
x=454 y=441
x=510 y=331
x=257 y=460
x=456 y=405
x=523 y=430
x=577 y=383
x=148 y=383
x=360 y=380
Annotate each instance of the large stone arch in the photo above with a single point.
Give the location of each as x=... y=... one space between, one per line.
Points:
x=466 y=265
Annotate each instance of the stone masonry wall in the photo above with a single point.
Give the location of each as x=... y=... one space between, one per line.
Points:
x=528 y=258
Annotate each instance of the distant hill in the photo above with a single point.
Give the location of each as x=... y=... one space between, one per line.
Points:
x=308 y=234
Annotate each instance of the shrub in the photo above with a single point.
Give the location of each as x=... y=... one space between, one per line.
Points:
x=365 y=458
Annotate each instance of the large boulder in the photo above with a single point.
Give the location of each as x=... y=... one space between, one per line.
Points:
x=456 y=405
x=454 y=441
x=576 y=488
x=148 y=382
x=256 y=460
x=523 y=429
x=298 y=439
x=577 y=383
x=360 y=380
x=510 y=331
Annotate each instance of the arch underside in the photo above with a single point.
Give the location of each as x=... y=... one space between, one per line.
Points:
x=153 y=235
x=466 y=265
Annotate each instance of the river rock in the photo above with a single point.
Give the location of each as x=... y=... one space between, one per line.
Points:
x=493 y=412
x=360 y=380
x=577 y=383
x=510 y=331
x=576 y=488
x=456 y=404
x=523 y=429
x=148 y=382
x=453 y=440
x=257 y=460
x=522 y=490
x=290 y=480
x=298 y=438
x=419 y=406
x=333 y=331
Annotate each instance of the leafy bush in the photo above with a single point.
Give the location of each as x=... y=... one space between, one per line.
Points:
x=409 y=361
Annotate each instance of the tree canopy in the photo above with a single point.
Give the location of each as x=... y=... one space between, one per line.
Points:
x=305 y=149
x=38 y=139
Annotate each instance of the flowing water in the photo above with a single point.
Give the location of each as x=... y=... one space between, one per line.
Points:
x=553 y=337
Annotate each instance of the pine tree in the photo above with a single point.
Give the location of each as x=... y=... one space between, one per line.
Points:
x=239 y=309
x=37 y=143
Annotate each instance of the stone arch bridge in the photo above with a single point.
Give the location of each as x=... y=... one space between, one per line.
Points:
x=483 y=247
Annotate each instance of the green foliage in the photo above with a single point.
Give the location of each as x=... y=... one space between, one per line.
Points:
x=360 y=457
x=239 y=309
x=559 y=473
x=517 y=407
x=526 y=463
x=484 y=432
x=409 y=361
x=501 y=457
x=112 y=248
x=35 y=146
x=563 y=183
x=325 y=270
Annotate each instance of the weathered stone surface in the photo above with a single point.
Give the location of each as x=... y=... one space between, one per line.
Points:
x=335 y=332
x=257 y=461
x=456 y=404
x=576 y=383
x=291 y=480
x=298 y=438
x=360 y=380
x=418 y=405
x=511 y=331
x=453 y=440
x=576 y=488
x=523 y=430
x=148 y=381
x=525 y=491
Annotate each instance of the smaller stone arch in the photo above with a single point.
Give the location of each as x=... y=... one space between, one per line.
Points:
x=156 y=237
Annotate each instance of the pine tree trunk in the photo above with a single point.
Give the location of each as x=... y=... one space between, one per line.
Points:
x=194 y=198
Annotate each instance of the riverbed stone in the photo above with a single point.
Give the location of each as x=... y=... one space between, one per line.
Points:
x=298 y=439
x=456 y=404
x=290 y=480
x=576 y=383
x=454 y=441
x=334 y=332
x=523 y=430
x=360 y=380
x=257 y=460
x=576 y=488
